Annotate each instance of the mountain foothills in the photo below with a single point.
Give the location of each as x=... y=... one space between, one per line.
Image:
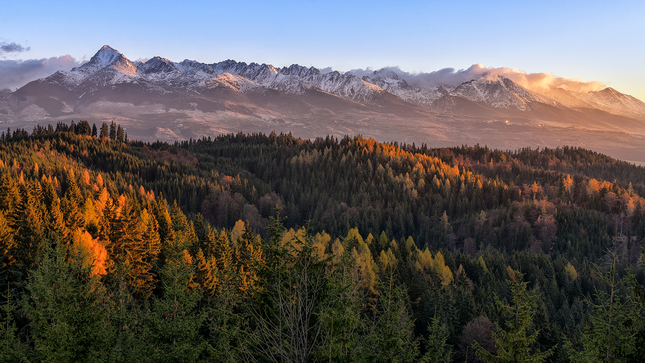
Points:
x=161 y=99
x=271 y=248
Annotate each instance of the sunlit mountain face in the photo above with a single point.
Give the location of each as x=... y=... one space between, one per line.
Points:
x=502 y=108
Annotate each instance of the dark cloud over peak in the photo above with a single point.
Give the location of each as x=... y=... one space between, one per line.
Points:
x=12 y=48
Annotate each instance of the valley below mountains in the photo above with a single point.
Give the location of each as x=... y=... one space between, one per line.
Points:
x=163 y=100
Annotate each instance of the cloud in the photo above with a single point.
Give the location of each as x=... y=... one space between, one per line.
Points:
x=12 y=48
x=449 y=77
x=17 y=73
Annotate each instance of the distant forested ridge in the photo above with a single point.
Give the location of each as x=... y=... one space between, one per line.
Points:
x=270 y=248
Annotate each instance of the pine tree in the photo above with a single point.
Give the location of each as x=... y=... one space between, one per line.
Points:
x=11 y=348
x=65 y=308
x=175 y=320
x=288 y=326
x=514 y=344
x=129 y=342
x=119 y=134
x=30 y=232
x=113 y=131
x=248 y=261
x=225 y=322
x=341 y=319
x=610 y=335
x=391 y=337
x=104 y=132
x=54 y=221
x=437 y=348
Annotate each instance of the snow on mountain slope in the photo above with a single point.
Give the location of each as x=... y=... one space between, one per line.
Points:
x=263 y=75
x=106 y=67
x=501 y=93
x=392 y=83
x=613 y=101
x=383 y=88
x=106 y=56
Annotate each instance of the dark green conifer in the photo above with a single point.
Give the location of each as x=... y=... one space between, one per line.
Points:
x=66 y=308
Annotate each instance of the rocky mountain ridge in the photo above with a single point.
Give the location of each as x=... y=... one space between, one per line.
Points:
x=161 y=98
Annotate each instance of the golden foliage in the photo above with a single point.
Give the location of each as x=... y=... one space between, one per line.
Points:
x=511 y=273
x=91 y=251
x=237 y=231
x=571 y=271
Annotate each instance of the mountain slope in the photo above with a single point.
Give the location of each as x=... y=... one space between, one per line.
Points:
x=185 y=99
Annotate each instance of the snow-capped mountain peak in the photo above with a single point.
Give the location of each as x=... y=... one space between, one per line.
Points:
x=106 y=56
x=300 y=71
x=500 y=92
x=157 y=65
x=383 y=87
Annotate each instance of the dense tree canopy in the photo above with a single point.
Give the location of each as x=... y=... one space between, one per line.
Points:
x=273 y=248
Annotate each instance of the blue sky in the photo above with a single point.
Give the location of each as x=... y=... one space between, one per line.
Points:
x=590 y=40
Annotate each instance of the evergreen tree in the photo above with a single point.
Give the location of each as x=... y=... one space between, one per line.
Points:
x=112 y=131
x=610 y=335
x=104 y=131
x=437 y=348
x=66 y=309
x=514 y=344
x=391 y=337
x=130 y=341
x=119 y=134
x=175 y=321
x=83 y=128
x=287 y=312
x=341 y=318
x=11 y=348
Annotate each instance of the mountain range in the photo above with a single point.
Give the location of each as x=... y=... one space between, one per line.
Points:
x=161 y=99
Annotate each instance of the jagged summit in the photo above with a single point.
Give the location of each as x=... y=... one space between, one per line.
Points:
x=386 y=88
x=157 y=65
x=300 y=71
x=177 y=100
x=104 y=57
x=109 y=66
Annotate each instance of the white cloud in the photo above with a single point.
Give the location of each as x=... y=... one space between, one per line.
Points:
x=450 y=77
x=17 y=73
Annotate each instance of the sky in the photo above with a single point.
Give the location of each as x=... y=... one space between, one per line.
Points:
x=586 y=40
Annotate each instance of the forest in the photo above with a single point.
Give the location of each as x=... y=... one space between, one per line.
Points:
x=271 y=248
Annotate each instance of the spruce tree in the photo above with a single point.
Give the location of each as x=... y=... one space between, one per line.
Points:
x=341 y=314
x=615 y=320
x=66 y=308
x=391 y=336
x=104 y=131
x=119 y=134
x=112 y=131
x=11 y=348
x=515 y=341
x=287 y=311
x=437 y=348
x=175 y=320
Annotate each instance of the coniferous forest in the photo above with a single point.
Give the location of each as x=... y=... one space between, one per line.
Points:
x=270 y=248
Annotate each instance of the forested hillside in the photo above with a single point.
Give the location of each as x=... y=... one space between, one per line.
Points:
x=269 y=248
